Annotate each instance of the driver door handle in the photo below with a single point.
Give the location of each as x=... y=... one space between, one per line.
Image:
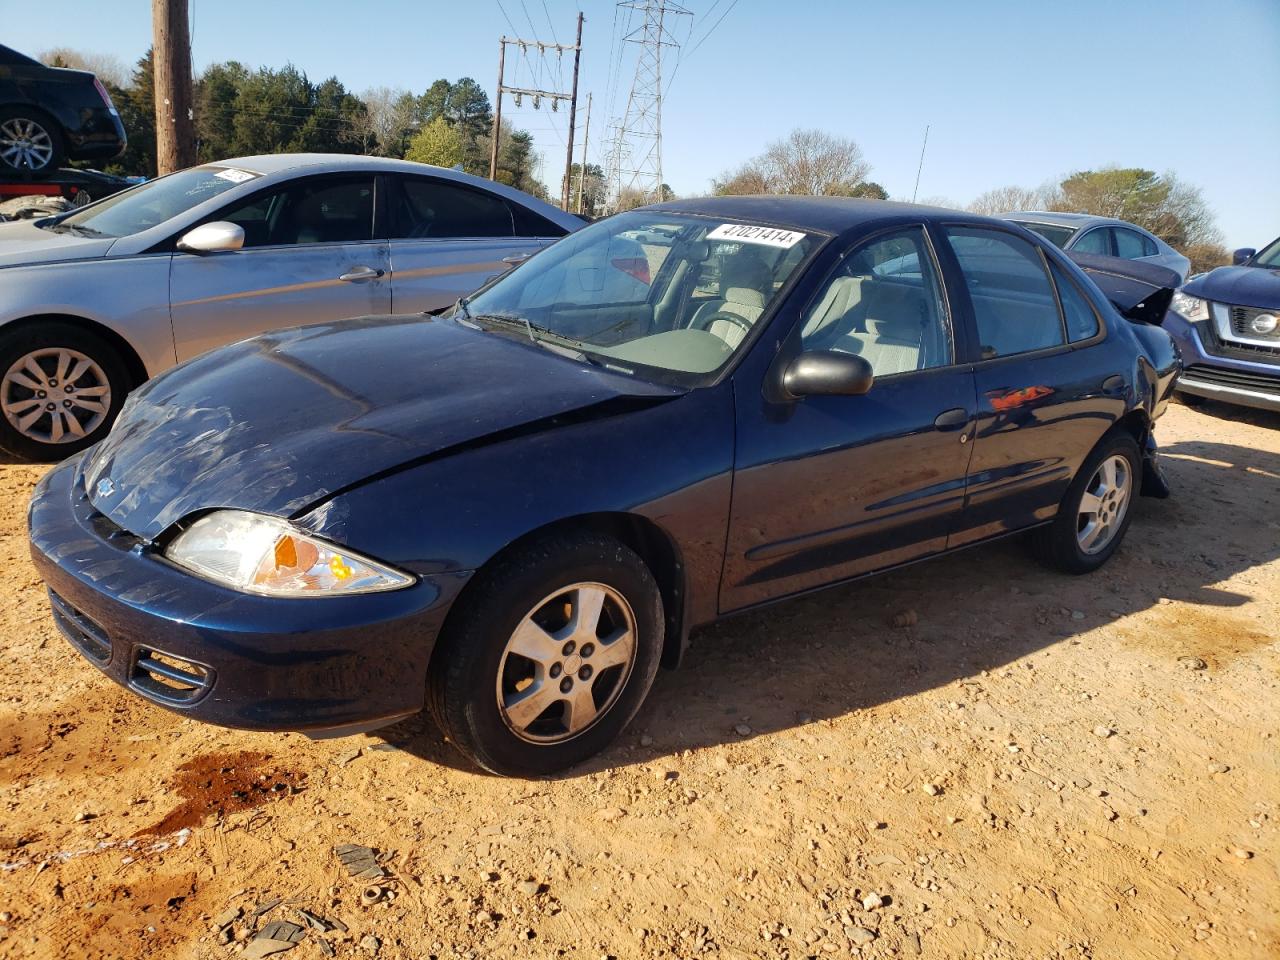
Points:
x=517 y=258
x=360 y=273
x=952 y=419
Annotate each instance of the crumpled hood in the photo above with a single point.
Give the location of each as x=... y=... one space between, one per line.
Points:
x=22 y=243
x=280 y=422
x=1241 y=286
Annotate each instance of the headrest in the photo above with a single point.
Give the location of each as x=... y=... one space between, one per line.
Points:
x=745 y=296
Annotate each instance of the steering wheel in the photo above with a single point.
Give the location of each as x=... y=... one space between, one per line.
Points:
x=705 y=322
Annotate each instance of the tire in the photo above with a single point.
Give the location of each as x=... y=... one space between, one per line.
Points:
x=59 y=350
x=477 y=673
x=45 y=150
x=1063 y=544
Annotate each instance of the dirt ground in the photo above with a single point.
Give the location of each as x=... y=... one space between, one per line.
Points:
x=1041 y=767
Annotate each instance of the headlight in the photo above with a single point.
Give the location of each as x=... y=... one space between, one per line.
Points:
x=1193 y=308
x=260 y=554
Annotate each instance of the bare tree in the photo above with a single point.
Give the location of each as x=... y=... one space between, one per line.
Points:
x=388 y=121
x=1011 y=198
x=108 y=67
x=807 y=162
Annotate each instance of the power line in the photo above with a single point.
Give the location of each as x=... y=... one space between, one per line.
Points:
x=728 y=10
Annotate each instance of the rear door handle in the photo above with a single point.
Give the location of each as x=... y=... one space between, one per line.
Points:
x=360 y=273
x=952 y=419
x=517 y=258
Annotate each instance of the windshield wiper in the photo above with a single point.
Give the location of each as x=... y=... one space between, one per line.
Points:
x=543 y=336
x=76 y=229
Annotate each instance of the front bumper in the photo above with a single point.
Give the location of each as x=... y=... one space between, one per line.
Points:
x=324 y=666
x=1221 y=371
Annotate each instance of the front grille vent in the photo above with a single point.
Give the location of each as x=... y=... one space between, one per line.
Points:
x=85 y=635
x=163 y=676
x=1231 y=349
x=1241 y=317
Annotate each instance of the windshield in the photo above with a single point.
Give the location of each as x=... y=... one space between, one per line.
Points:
x=153 y=202
x=667 y=296
x=1055 y=233
x=1269 y=257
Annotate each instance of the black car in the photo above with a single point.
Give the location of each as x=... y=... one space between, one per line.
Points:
x=516 y=512
x=49 y=115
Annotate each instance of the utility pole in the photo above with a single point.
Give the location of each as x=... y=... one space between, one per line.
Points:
x=582 y=167
x=555 y=96
x=171 y=40
x=639 y=140
x=573 y=114
x=497 y=113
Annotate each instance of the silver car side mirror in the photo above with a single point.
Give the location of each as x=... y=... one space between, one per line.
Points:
x=213 y=237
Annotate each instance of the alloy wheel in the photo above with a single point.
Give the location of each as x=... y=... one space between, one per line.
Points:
x=25 y=144
x=55 y=395
x=1103 y=504
x=566 y=663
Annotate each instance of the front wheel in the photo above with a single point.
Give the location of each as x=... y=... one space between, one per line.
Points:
x=550 y=656
x=1095 y=513
x=61 y=388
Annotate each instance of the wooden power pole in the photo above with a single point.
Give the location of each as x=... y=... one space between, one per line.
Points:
x=555 y=96
x=171 y=39
x=573 y=115
x=582 y=167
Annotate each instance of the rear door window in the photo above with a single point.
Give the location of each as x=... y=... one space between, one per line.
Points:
x=438 y=210
x=1132 y=245
x=1082 y=321
x=1014 y=306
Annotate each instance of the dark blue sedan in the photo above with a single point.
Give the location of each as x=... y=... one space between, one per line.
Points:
x=515 y=513
x=1226 y=323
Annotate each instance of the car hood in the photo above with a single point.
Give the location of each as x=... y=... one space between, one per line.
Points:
x=282 y=422
x=1241 y=286
x=23 y=243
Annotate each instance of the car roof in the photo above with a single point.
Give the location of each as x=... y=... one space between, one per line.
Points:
x=1064 y=219
x=297 y=163
x=833 y=215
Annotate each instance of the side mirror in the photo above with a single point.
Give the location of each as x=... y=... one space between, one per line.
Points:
x=213 y=238
x=827 y=373
x=1240 y=256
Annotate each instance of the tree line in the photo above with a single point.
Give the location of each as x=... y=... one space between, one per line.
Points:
x=816 y=163
x=243 y=111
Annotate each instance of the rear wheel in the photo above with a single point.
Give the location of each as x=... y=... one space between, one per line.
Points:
x=1095 y=513
x=550 y=657
x=61 y=388
x=30 y=144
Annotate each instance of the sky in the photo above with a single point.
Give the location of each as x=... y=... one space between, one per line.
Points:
x=1013 y=91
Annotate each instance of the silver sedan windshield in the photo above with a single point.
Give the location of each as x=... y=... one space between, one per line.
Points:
x=152 y=203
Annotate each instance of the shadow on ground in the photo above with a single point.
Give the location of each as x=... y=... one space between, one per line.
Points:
x=835 y=652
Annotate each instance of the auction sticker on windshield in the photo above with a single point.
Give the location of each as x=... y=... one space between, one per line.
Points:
x=234 y=175
x=746 y=233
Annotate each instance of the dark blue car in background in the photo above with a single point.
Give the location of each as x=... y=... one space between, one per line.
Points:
x=513 y=514
x=1227 y=325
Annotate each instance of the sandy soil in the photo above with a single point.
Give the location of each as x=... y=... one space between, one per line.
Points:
x=1039 y=768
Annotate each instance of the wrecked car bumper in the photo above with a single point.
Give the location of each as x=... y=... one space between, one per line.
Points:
x=322 y=666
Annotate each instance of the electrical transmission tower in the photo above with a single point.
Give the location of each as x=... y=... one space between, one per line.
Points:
x=635 y=163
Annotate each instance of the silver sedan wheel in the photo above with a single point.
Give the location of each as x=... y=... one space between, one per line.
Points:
x=1103 y=504
x=25 y=145
x=567 y=663
x=55 y=395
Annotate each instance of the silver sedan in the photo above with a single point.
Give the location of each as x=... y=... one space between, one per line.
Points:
x=94 y=302
x=1105 y=236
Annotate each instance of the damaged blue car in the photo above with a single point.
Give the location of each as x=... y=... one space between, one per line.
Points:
x=514 y=513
